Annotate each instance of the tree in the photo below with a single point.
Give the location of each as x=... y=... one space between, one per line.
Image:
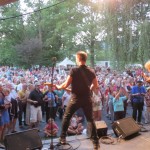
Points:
x=28 y=52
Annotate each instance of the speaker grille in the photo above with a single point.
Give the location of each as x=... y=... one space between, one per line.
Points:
x=29 y=139
x=125 y=127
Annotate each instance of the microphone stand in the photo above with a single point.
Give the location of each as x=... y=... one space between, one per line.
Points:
x=51 y=111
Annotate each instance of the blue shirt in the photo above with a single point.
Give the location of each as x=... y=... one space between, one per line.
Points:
x=51 y=102
x=118 y=103
x=138 y=98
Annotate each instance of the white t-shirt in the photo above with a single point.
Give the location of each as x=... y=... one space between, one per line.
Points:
x=19 y=87
x=13 y=94
x=7 y=99
x=66 y=97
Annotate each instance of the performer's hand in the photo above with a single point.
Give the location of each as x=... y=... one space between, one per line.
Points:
x=35 y=102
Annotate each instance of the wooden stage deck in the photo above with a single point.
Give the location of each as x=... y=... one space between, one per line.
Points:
x=81 y=142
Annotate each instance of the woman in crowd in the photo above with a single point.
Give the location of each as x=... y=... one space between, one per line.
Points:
x=97 y=104
x=4 y=115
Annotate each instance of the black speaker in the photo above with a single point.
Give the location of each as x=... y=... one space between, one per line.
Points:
x=125 y=127
x=25 y=140
x=101 y=128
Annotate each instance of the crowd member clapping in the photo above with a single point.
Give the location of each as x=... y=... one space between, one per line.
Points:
x=118 y=103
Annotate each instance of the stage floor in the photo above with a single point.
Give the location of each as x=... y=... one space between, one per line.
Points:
x=81 y=142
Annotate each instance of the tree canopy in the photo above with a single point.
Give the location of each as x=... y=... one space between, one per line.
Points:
x=115 y=30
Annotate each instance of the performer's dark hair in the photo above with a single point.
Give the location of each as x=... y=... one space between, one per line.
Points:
x=82 y=55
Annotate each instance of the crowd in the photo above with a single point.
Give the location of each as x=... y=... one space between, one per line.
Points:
x=23 y=95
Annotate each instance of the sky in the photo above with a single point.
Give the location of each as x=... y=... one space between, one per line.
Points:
x=26 y=9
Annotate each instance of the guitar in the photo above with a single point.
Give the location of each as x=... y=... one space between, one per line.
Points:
x=54 y=85
x=146 y=78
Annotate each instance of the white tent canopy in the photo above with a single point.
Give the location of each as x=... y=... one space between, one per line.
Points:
x=66 y=62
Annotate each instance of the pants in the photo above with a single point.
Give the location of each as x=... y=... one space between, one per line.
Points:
x=22 y=110
x=50 y=113
x=13 y=110
x=119 y=115
x=111 y=110
x=147 y=114
x=36 y=114
x=137 y=107
x=74 y=104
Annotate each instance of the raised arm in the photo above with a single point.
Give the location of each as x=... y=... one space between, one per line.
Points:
x=65 y=84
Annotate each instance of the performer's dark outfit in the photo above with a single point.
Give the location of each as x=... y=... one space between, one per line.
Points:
x=82 y=78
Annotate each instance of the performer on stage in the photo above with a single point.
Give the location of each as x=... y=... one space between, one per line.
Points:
x=82 y=80
x=147 y=67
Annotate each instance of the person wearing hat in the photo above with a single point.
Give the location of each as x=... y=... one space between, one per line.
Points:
x=138 y=93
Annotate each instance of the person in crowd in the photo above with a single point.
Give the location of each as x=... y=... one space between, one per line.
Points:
x=4 y=116
x=36 y=97
x=138 y=93
x=65 y=99
x=118 y=103
x=49 y=98
x=51 y=128
x=147 y=106
x=13 y=110
x=97 y=104
x=110 y=105
x=83 y=80
x=75 y=127
x=19 y=86
x=22 y=103
x=29 y=101
x=59 y=108
x=7 y=99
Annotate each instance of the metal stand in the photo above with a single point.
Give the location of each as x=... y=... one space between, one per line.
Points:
x=58 y=146
x=51 y=111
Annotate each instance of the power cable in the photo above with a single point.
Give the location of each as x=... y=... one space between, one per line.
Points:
x=33 y=11
x=110 y=140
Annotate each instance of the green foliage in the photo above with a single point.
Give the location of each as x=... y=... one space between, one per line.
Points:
x=117 y=30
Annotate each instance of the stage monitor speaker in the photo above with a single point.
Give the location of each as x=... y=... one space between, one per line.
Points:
x=101 y=128
x=125 y=127
x=25 y=140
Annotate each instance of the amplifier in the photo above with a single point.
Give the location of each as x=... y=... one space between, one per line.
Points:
x=101 y=128
x=125 y=127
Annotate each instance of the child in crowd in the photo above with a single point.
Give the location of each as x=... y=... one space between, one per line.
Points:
x=97 y=104
x=51 y=129
x=75 y=126
x=118 y=103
